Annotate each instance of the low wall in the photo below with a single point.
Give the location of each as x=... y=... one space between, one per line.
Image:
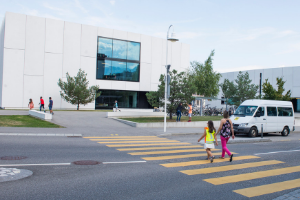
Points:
x=135 y=110
x=134 y=114
x=41 y=115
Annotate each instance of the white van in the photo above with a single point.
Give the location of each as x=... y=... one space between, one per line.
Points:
x=276 y=116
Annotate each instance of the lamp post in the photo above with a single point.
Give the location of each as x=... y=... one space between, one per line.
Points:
x=172 y=39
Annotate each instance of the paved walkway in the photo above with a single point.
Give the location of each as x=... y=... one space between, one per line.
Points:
x=290 y=196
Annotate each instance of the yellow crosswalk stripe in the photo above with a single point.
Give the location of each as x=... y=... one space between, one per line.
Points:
x=133 y=139
x=140 y=145
x=178 y=156
x=167 y=152
x=156 y=148
x=201 y=162
x=268 y=189
x=253 y=175
x=230 y=167
x=128 y=142
x=123 y=137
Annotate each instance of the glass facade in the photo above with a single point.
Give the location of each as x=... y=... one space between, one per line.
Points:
x=118 y=60
x=126 y=99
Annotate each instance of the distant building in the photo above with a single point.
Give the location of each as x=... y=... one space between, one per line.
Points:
x=289 y=74
x=35 y=52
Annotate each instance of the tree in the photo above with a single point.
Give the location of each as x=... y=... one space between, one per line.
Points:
x=229 y=90
x=181 y=90
x=76 y=91
x=239 y=91
x=272 y=93
x=205 y=78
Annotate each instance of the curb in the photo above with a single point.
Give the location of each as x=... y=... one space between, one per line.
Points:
x=41 y=134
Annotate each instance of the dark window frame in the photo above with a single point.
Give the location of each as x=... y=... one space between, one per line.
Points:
x=119 y=60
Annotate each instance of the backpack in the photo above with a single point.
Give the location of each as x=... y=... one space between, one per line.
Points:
x=226 y=129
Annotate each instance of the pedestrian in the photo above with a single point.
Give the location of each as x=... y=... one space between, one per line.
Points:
x=210 y=136
x=42 y=104
x=179 y=110
x=30 y=104
x=190 y=112
x=115 y=109
x=50 y=105
x=225 y=129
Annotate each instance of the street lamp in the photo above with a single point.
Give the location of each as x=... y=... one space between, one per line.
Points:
x=172 y=39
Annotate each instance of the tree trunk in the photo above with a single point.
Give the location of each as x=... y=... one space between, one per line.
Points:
x=170 y=115
x=78 y=106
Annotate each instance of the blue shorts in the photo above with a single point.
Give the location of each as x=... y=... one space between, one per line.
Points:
x=50 y=107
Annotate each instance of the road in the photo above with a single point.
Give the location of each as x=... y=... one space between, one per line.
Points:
x=136 y=166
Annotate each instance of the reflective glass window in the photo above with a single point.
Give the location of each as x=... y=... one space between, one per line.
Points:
x=104 y=47
x=245 y=110
x=133 y=52
x=119 y=49
x=118 y=70
x=287 y=112
x=132 y=72
x=261 y=110
x=271 y=111
x=103 y=69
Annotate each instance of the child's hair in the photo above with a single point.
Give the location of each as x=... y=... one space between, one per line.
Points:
x=225 y=114
x=30 y=100
x=211 y=127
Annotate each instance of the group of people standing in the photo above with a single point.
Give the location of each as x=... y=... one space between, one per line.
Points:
x=42 y=105
x=210 y=135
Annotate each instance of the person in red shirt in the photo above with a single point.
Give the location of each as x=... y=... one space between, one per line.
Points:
x=42 y=104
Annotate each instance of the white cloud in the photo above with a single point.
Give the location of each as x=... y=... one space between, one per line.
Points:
x=78 y=5
x=112 y=2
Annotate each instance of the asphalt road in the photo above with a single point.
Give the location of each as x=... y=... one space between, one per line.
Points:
x=145 y=180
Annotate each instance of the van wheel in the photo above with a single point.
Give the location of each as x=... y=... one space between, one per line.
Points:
x=285 y=131
x=252 y=132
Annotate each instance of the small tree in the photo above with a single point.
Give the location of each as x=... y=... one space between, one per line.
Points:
x=205 y=78
x=181 y=90
x=76 y=91
x=272 y=93
x=239 y=91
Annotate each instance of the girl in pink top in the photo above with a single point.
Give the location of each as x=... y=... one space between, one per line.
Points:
x=30 y=105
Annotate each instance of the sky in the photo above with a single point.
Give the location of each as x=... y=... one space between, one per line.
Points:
x=244 y=34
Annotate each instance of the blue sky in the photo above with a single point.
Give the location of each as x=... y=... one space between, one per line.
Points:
x=245 y=34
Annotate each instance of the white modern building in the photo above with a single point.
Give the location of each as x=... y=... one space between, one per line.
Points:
x=289 y=74
x=35 y=52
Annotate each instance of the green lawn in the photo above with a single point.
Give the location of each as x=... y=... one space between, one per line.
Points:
x=183 y=119
x=25 y=121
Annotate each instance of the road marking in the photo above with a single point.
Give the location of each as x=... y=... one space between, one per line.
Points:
x=276 y=152
x=128 y=142
x=178 y=156
x=201 y=162
x=155 y=148
x=230 y=167
x=110 y=137
x=35 y=164
x=167 y=152
x=140 y=145
x=268 y=189
x=251 y=176
x=125 y=139
x=124 y=162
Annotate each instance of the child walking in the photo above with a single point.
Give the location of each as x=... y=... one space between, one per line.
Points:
x=210 y=136
x=30 y=105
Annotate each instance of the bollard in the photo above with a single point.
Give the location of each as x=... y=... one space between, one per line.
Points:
x=262 y=131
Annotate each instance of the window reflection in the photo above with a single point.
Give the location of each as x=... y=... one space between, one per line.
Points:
x=118 y=60
x=104 y=47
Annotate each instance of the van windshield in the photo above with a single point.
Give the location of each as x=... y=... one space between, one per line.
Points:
x=245 y=110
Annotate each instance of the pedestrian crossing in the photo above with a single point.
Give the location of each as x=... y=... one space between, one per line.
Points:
x=153 y=148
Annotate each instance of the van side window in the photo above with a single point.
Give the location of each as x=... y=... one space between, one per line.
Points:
x=261 y=110
x=272 y=111
x=287 y=112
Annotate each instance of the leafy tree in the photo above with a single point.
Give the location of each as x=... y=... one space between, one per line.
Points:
x=76 y=91
x=181 y=90
x=205 y=78
x=229 y=90
x=239 y=91
x=272 y=93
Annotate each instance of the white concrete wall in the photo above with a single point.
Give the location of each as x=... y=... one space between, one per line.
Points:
x=289 y=74
x=1 y=58
x=38 y=51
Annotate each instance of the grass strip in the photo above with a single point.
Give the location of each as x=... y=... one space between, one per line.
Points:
x=161 y=119
x=25 y=121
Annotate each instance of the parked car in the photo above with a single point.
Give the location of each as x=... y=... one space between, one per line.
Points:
x=275 y=116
